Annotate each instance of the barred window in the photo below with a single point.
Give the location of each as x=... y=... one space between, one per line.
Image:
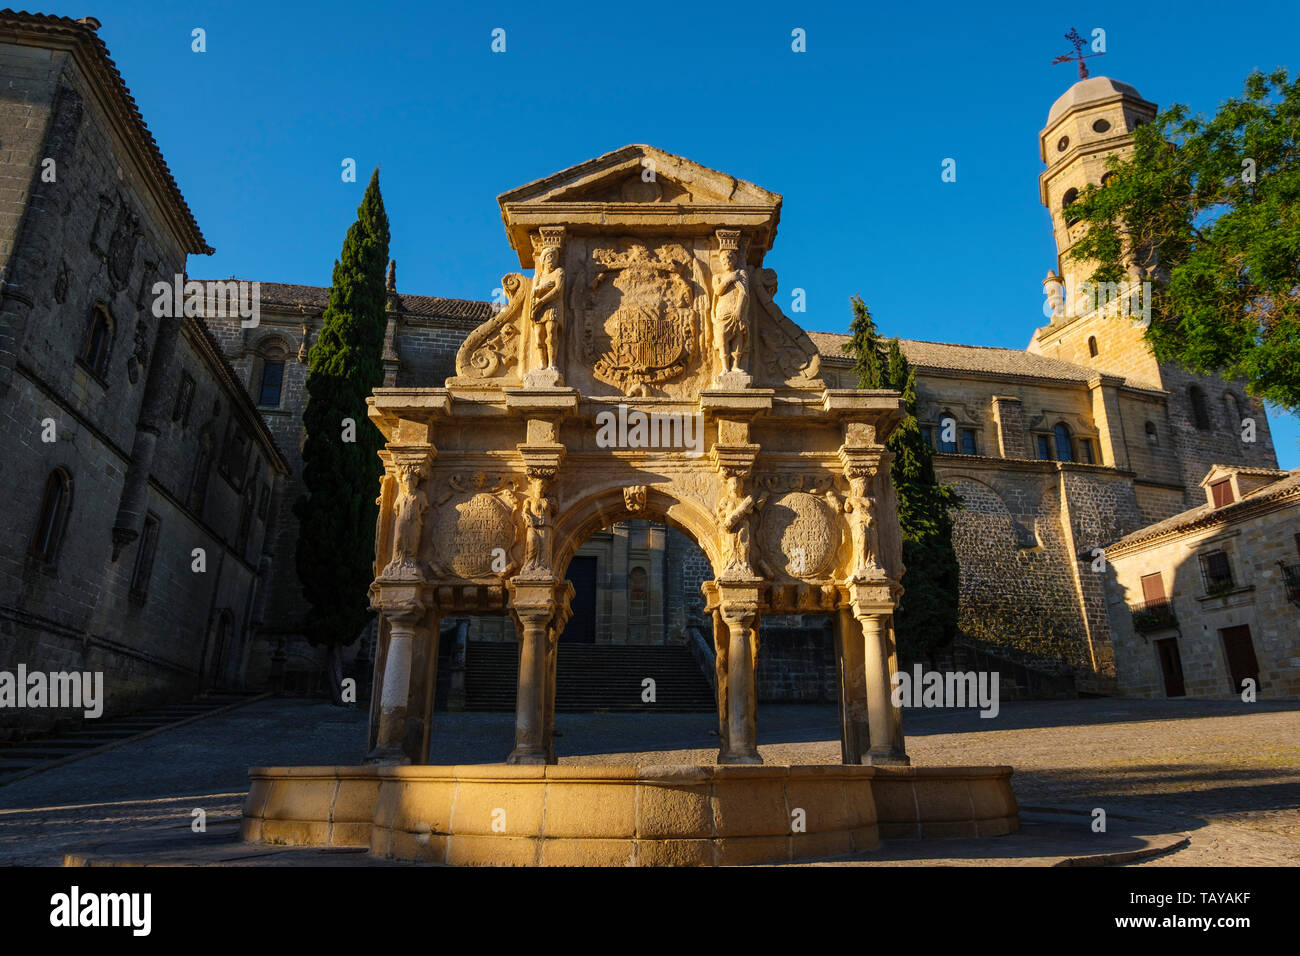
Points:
x=144 y=556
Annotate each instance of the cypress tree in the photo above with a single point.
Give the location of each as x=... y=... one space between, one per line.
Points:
x=927 y=616
x=341 y=467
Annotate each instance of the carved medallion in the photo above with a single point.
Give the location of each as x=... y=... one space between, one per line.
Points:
x=800 y=535
x=471 y=531
x=641 y=313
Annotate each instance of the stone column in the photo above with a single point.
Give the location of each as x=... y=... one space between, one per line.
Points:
x=854 y=722
x=741 y=620
x=530 y=698
x=403 y=612
x=721 y=650
x=884 y=728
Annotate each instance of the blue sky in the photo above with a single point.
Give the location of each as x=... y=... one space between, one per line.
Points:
x=852 y=132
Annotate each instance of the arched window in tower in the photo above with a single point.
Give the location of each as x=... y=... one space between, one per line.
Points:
x=1092 y=346
x=1067 y=201
x=1200 y=410
x=1152 y=436
x=1064 y=447
x=1106 y=178
x=99 y=340
x=53 y=516
x=1234 y=410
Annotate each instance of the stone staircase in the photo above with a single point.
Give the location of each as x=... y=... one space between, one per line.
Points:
x=19 y=756
x=592 y=678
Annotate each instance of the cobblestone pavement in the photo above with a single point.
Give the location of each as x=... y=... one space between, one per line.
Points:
x=1226 y=772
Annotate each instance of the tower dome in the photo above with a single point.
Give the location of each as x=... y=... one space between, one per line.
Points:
x=1095 y=89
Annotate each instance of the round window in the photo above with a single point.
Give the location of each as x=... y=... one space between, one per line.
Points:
x=1062 y=144
x=1100 y=126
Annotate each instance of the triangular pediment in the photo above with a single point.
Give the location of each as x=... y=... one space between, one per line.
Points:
x=640 y=188
x=641 y=174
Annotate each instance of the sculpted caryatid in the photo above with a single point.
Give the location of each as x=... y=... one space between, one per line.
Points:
x=548 y=293
x=734 y=512
x=731 y=309
x=409 y=506
x=859 y=507
x=538 y=512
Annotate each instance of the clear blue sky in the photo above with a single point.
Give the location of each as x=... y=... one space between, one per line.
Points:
x=852 y=132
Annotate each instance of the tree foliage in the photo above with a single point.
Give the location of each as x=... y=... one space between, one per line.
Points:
x=1208 y=211
x=927 y=616
x=337 y=515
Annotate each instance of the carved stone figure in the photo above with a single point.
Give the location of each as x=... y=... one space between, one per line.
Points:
x=735 y=511
x=539 y=513
x=409 y=507
x=731 y=310
x=859 y=507
x=548 y=292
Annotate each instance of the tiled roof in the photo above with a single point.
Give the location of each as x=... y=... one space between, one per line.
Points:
x=83 y=32
x=1207 y=514
x=976 y=358
x=317 y=297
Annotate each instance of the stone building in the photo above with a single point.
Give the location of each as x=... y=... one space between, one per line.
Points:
x=1205 y=599
x=140 y=478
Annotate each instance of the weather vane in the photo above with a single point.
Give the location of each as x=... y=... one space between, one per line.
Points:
x=1078 y=43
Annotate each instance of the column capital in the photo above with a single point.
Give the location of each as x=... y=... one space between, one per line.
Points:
x=401 y=602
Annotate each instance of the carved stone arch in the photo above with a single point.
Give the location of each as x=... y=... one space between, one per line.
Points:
x=604 y=508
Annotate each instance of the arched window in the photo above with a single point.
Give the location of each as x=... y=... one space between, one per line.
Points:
x=53 y=517
x=1106 y=178
x=1152 y=437
x=947 y=433
x=1066 y=202
x=1234 y=410
x=1200 y=410
x=1064 y=447
x=99 y=340
x=272 y=375
x=1092 y=345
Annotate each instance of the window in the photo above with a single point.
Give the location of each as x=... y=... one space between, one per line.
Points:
x=1200 y=411
x=262 y=502
x=1221 y=491
x=968 y=442
x=1063 y=144
x=1217 y=572
x=1085 y=451
x=53 y=516
x=1101 y=126
x=245 y=519
x=1044 y=448
x=1092 y=345
x=234 y=455
x=184 y=399
x=202 y=468
x=1066 y=202
x=1064 y=449
x=1233 y=408
x=144 y=558
x=1152 y=437
x=272 y=379
x=926 y=436
x=1106 y=178
x=1153 y=588
x=98 y=341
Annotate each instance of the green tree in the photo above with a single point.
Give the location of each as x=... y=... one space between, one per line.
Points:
x=927 y=616
x=1208 y=211
x=341 y=467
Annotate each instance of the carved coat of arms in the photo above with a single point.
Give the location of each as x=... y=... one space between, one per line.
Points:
x=640 y=315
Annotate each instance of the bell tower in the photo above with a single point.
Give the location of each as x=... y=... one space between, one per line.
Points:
x=1094 y=119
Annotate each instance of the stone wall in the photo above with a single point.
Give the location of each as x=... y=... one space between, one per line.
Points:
x=96 y=239
x=797 y=664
